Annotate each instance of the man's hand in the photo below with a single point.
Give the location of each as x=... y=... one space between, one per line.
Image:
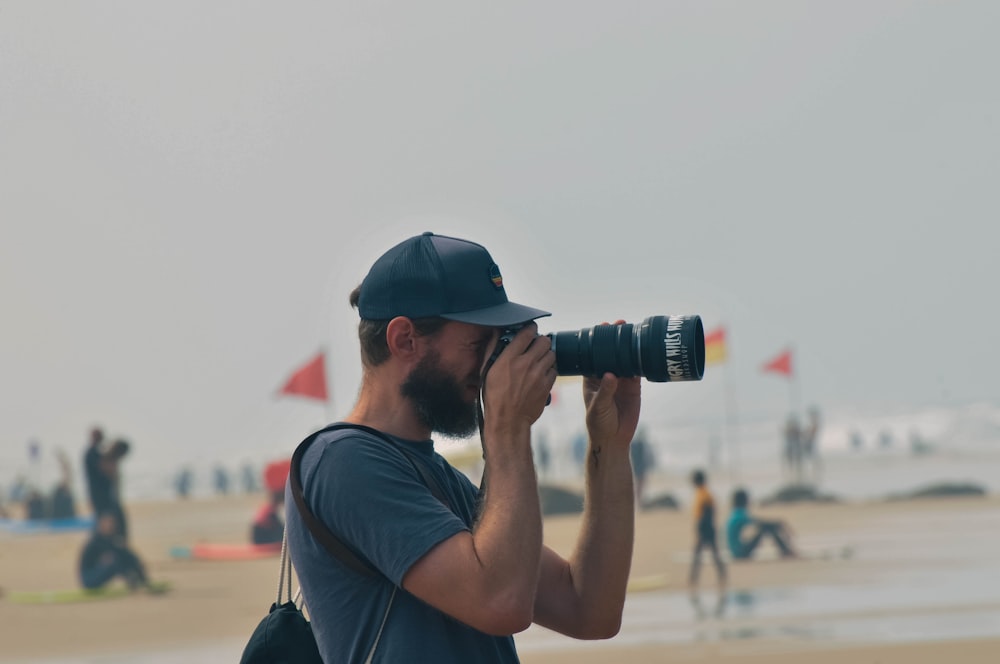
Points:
x=612 y=408
x=518 y=384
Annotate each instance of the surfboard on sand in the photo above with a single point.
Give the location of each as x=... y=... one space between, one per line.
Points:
x=220 y=551
x=31 y=526
x=70 y=595
x=639 y=584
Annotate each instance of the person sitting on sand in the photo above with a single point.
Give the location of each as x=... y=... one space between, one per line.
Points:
x=742 y=547
x=268 y=526
x=105 y=557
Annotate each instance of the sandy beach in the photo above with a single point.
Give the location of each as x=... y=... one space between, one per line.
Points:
x=918 y=585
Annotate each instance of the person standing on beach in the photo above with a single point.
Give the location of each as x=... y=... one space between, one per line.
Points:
x=643 y=461
x=457 y=580
x=793 y=447
x=96 y=483
x=106 y=485
x=810 y=443
x=705 y=534
x=62 y=503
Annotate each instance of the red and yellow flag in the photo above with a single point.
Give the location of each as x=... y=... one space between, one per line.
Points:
x=715 y=346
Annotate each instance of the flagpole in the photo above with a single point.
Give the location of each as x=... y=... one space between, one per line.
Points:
x=784 y=366
x=732 y=428
x=793 y=386
x=716 y=352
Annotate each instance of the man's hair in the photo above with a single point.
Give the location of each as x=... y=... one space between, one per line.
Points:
x=698 y=477
x=371 y=333
x=741 y=498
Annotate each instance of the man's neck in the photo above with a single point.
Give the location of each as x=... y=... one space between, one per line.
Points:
x=389 y=413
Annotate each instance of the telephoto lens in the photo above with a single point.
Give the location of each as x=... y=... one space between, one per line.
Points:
x=662 y=349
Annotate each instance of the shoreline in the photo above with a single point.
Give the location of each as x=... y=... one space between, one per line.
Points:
x=942 y=547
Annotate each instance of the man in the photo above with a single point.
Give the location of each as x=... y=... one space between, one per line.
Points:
x=101 y=468
x=643 y=461
x=473 y=572
x=62 y=502
x=97 y=483
x=793 y=447
x=810 y=443
x=109 y=482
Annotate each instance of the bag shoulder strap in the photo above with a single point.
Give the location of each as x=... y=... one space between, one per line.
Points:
x=331 y=542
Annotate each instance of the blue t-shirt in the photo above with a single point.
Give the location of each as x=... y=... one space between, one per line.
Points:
x=370 y=496
x=738 y=519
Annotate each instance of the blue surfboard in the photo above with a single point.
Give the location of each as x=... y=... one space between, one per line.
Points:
x=33 y=526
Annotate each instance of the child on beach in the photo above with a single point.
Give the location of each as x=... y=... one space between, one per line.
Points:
x=704 y=518
x=742 y=548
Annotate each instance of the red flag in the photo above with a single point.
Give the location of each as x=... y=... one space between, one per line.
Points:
x=308 y=381
x=782 y=364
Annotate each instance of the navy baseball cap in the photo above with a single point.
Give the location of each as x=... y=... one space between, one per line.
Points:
x=435 y=275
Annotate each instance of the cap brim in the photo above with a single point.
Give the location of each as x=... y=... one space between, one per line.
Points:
x=508 y=313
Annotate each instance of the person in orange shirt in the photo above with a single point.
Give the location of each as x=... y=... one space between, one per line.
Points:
x=704 y=518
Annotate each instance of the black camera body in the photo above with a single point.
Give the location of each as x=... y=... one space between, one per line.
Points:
x=661 y=349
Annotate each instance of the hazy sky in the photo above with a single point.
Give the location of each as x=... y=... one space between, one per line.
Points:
x=190 y=190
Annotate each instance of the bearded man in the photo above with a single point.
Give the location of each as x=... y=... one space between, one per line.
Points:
x=458 y=576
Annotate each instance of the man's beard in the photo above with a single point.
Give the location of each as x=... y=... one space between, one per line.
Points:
x=439 y=399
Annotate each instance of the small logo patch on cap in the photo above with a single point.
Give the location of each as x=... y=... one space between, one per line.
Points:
x=495 y=276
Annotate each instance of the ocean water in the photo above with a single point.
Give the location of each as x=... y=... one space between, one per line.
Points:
x=900 y=450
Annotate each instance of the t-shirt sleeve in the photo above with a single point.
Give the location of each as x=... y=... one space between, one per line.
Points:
x=372 y=498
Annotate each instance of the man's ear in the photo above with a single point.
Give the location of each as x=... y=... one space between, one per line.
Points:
x=401 y=337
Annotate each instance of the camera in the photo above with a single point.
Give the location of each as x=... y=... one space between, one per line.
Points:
x=661 y=349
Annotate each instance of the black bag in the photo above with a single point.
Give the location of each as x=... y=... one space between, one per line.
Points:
x=284 y=636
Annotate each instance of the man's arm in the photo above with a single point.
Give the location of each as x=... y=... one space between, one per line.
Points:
x=584 y=596
x=487 y=578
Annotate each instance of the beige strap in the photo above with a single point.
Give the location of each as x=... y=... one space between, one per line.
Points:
x=378 y=636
